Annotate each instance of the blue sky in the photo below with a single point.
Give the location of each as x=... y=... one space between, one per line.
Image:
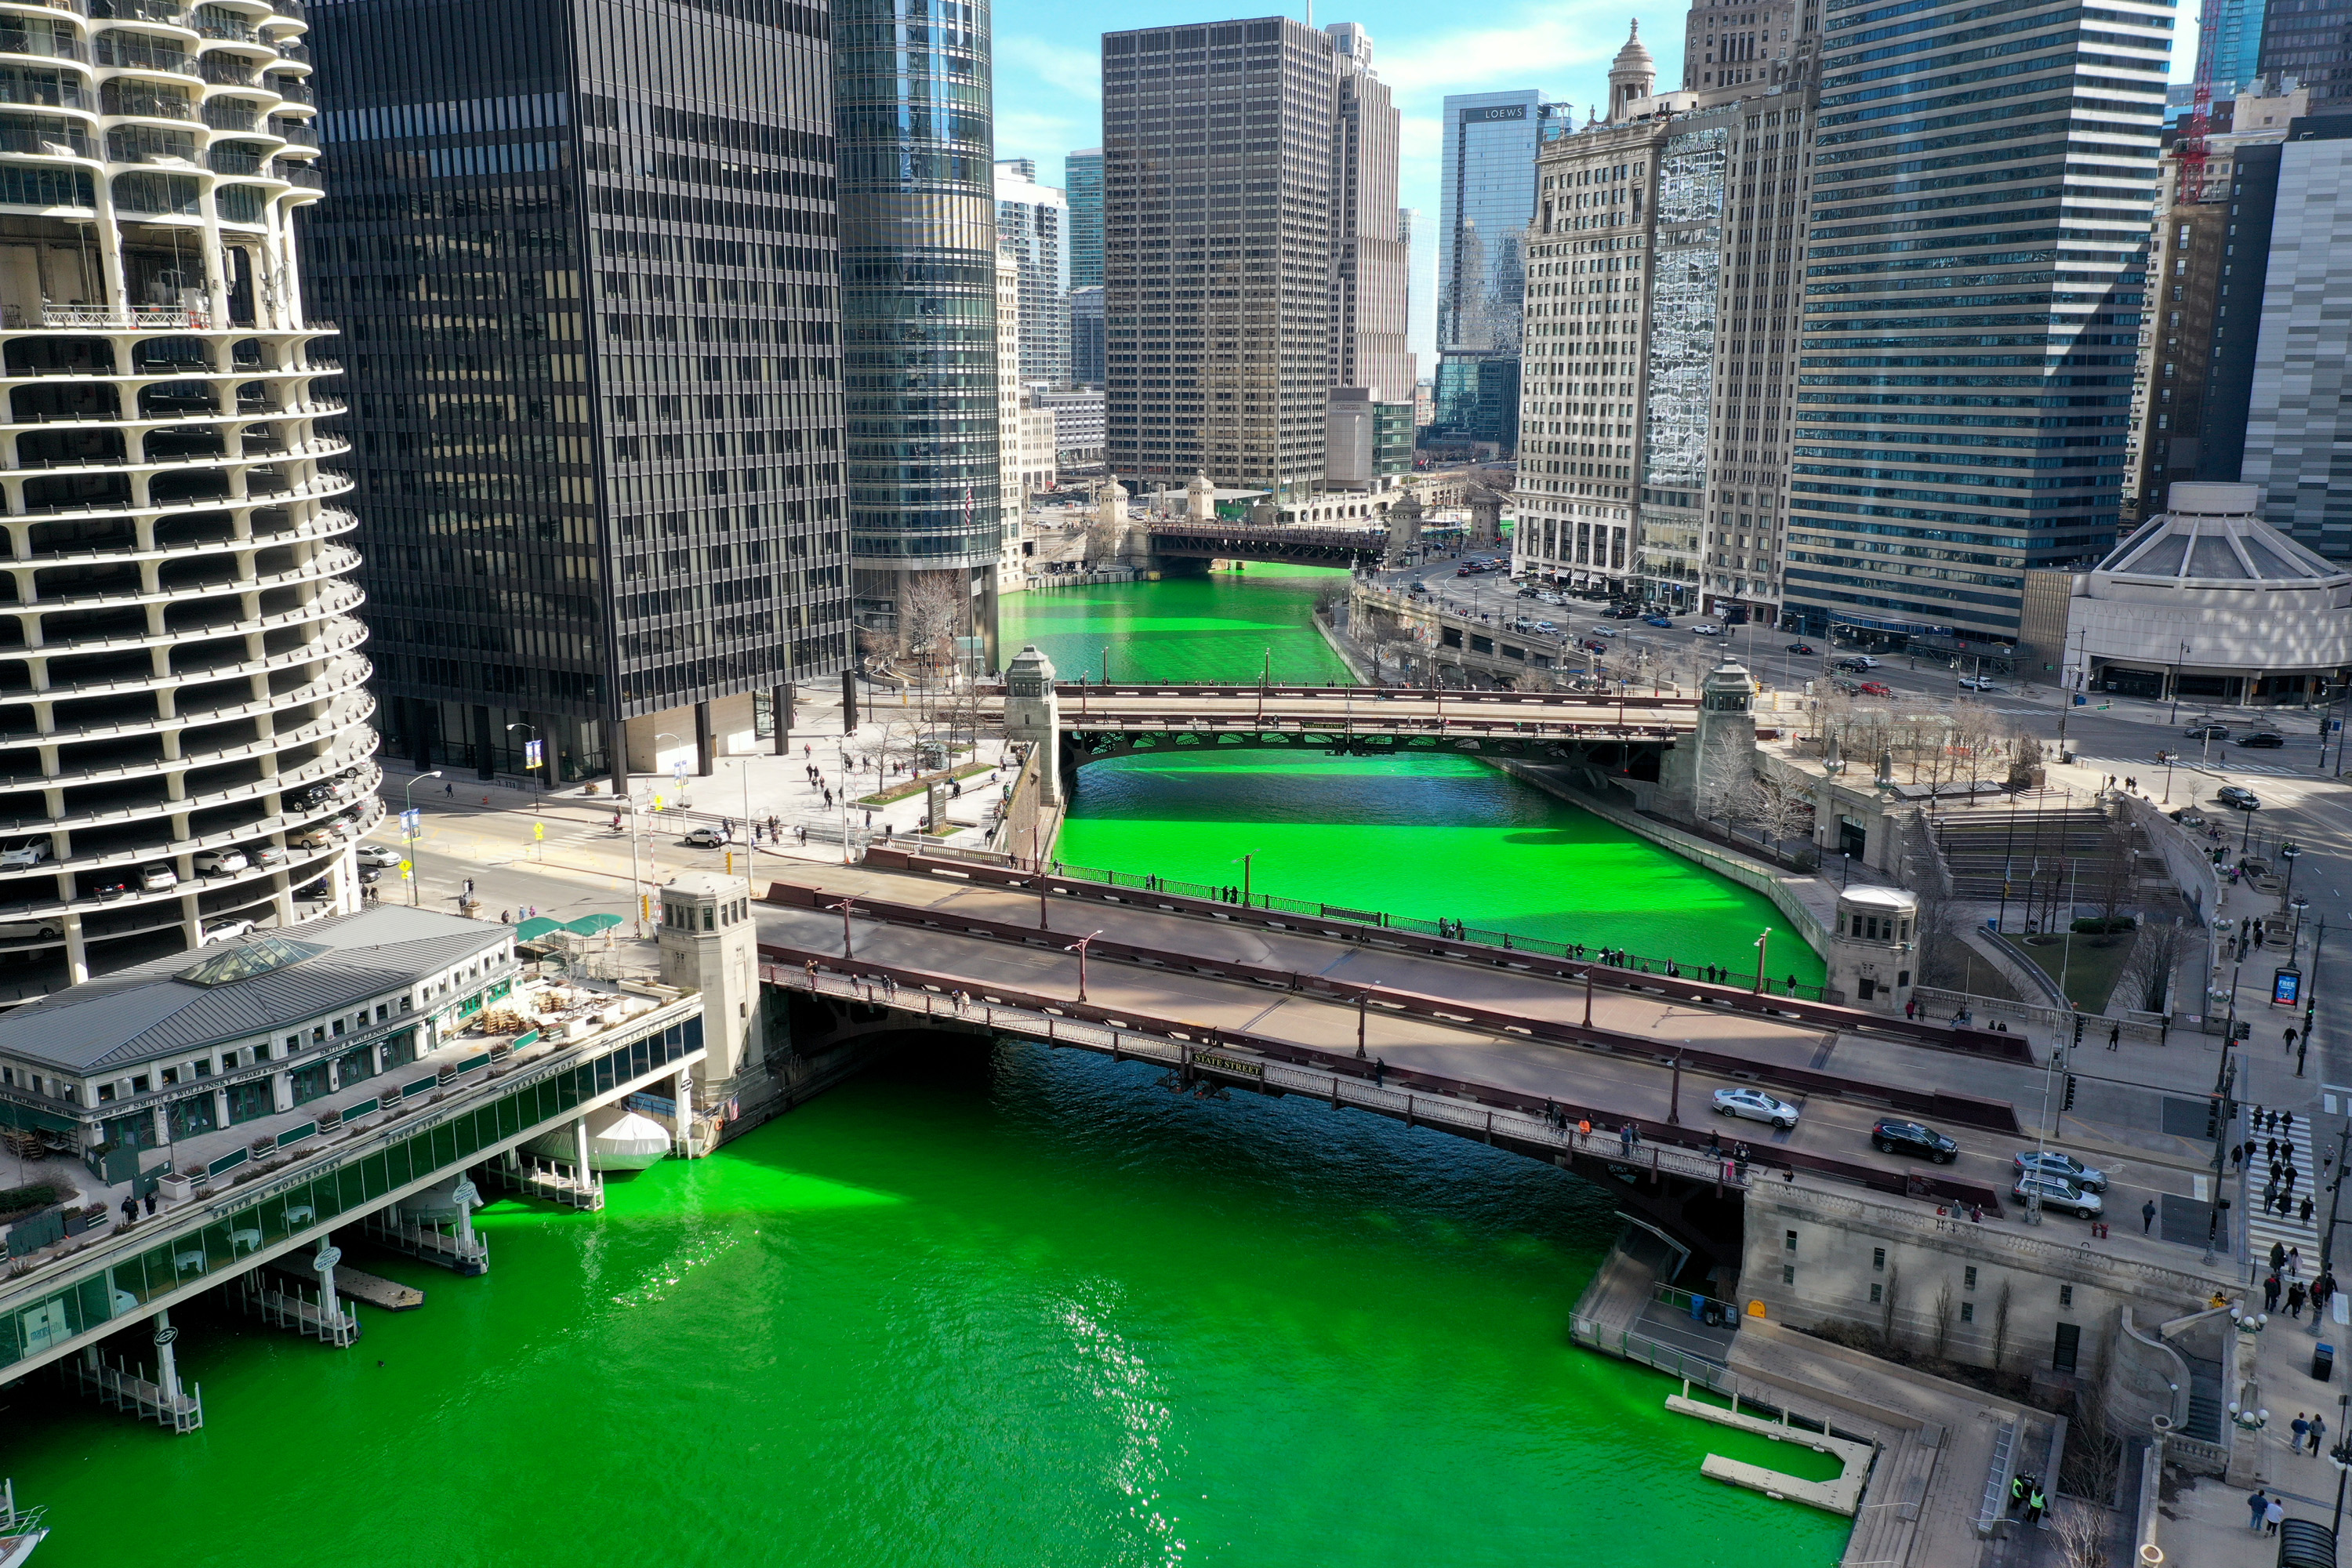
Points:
x=1049 y=94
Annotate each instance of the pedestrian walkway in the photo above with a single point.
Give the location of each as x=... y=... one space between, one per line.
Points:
x=2136 y=766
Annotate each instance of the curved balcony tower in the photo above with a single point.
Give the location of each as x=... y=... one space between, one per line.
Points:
x=184 y=715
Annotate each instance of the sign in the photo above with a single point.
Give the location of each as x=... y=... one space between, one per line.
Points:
x=411 y=820
x=2286 y=988
x=1499 y=111
x=1215 y=1062
x=677 y=770
x=539 y=830
x=534 y=754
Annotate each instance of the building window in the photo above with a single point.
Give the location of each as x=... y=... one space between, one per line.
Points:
x=1969 y=1278
x=1874 y=1292
x=1968 y=1311
x=2065 y=1295
x=1789 y=1245
x=1787 y=1274
x=1878 y=1259
x=2068 y=1349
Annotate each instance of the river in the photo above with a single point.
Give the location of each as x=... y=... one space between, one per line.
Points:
x=1010 y=1307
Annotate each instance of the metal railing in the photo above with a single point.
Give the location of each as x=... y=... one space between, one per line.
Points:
x=1668 y=1359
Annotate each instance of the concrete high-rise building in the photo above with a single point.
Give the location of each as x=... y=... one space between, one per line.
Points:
x=589 y=282
x=1373 y=266
x=1747 y=46
x=1967 y=349
x=1082 y=184
x=1033 y=221
x=185 y=690
x=917 y=308
x=2303 y=40
x=1087 y=336
x=1486 y=198
x=1218 y=242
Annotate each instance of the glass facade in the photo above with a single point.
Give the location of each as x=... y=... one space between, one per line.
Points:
x=1975 y=272
x=1032 y=223
x=1087 y=336
x=1082 y=181
x=587 y=256
x=1486 y=198
x=2305 y=39
x=912 y=114
x=2238 y=45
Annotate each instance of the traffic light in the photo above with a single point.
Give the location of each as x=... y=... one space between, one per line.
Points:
x=2070 y=1093
x=2078 y=1029
x=2213 y=1116
x=2243 y=1031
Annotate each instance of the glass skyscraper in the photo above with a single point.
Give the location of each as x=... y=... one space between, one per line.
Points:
x=2304 y=39
x=1974 y=279
x=912 y=116
x=2238 y=44
x=1486 y=198
x=1082 y=178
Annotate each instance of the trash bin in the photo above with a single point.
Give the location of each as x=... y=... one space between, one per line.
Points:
x=1717 y=1314
x=1698 y=1308
x=2306 y=1543
x=2322 y=1361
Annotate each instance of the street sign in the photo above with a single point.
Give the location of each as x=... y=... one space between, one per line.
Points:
x=539 y=830
x=2286 y=988
x=404 y=868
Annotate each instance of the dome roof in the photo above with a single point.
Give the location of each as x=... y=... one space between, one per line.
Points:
x=2211 y=536
x=1635 y=55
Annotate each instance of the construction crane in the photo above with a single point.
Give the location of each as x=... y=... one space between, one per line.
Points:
x=2192 y=150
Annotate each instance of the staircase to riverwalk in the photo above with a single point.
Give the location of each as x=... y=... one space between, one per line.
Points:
x=2065 y=852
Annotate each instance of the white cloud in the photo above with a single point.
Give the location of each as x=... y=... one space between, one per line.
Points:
x=1076 y=71
x=1544 y=45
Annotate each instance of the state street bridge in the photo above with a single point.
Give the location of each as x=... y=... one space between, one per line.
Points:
x=1291 y=544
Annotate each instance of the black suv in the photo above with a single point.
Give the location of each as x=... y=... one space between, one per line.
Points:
x=2263 y=739
x=1889 y=1136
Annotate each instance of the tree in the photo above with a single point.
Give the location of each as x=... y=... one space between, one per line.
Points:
x=1774 y=807
x=2000 y=1333
x=1943 y=1320
x=2148 y=973
x=1888 y=1301
x=1722 y=775
x=931 y=612
x=2079 y=1531
x=1102 y=542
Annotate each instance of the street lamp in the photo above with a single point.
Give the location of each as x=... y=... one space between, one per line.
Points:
x=1763 y=947
x=535 y=781
x=2176 y=683
x=846 y=905
x=1079 y=947
x=408 y=821
x=2289 y=851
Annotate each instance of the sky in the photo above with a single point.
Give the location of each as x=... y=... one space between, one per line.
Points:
x=1049 y=88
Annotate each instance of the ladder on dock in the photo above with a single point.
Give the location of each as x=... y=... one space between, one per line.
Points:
x=417 y=1238
x=557 y=1180
x=286 y=1306
x=121 y=1385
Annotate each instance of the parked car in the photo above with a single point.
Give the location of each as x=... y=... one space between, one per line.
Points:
x=1548 y=628
x=1606 y=632
x=1756 y=1106
x=218 y=862
x=1890 y=1135
x=157 y=877
x=2057 y=1193
x=2263 y=740
x=312 y=838
x=1593 y=644
x=2208 y=731
x=1980 y=683
x=380 y=855
x=225 y=931
x=1802 y=647
x=705 y=837
x=1876 y=688
x=2064 y=1166
x=1707 y=629
x=21 y=930
x=109 y=887
x=2239 y=796
x=18 y=857
x=265 y=854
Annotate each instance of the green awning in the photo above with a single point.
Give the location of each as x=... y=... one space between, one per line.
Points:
x=536 y=927
x=590 y=925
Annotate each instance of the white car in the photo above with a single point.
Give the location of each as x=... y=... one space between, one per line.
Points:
x=378 y=856
x=265 y=855
x=1862 y=660
x=218 y=862
x=1606 y=632
x=2057 y=1193
x=227 y=930
x=1705 y=630
x=1756 y=1106
x=2063 y=1166
x=1979 y=683
x=705 y=837
x=1546 y=627
x=18 y=857
x=19 y=930
x=157 y=877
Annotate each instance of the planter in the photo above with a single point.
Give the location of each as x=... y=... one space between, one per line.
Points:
x=176 y=1189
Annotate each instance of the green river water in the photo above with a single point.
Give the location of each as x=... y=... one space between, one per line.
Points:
x=996 y=1307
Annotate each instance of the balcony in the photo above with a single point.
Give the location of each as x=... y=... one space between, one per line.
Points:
x=130 y=52
x=228 y=70
x=234 y=158
x=231 y=114
x=38 y=40
x=130 y=99
x=145 y=318
x=61 y=142
x=165 y=12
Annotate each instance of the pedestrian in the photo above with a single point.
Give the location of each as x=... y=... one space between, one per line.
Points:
x=150 y=1200
x=2273 y=1515
x=2293 y=1175
x=506 y=917
x=2278 y=1256
x=2237 y=1152
x=2301 y=1427
x=2256 y=1506
x=1739 y=1159
x=2036 y=1502
x=2318 y=1431
x=1625 y=1140
x=449 y=789
x=1911 y=1007
x=2295 y=1263
x=2286 y=1122
x=2115 y=1035
x=469 y=889
x=2269 y=1147
x=1380 y=1073
x=2269 y=1293
x=2295 y=1298
x=130 y=1209
x=2147 y=1217
x=2017 y=1492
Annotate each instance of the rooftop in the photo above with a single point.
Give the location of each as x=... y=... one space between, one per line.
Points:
x=2211 y=536
x=251 y=987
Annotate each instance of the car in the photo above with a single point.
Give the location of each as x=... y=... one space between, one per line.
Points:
x=1664 y=621
x=1623 y=612
x=1891 y=1135
x=218 y=862
x=1848 y=687
x=1852 y=665
x=1874 y=689
x=312 y=838
x=225 y=931
x=705 y=837
x=265 y=855
x=2057 y=1193
x=1590 y=645
x=2263 y=740
x=1802 y=647
x=2064 y=1166
x=1862 y=661
x=1980 y=683
x=2208 y=731
x=18 y=857
x=1465 y=571
x=1756 y=1106
x=20 y=929
x=2239 y=796
x=380 y=855
x=157 y=877
x=1547 y=626
x=108 y=888
x=1704 y=629
x=370 y=875
x=2187 y=817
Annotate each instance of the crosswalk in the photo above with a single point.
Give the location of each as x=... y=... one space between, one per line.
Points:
x=2265 y=1226
x=2144 y=768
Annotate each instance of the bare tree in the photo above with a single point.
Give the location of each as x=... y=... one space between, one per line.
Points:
x=2000 y=1333
x=1943 y=1320
x=1722 y=776
x=2148 y=974
x=931 y=612
x=2079 y=1531
x=1102 y=542
x=1889 y=1301
x=1774 y=806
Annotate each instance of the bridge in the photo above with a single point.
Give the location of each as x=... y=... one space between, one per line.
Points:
x=1625 y=736
x=1511 y=1049
x=1291 y=544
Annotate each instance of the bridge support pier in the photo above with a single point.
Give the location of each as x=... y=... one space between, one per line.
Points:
x=1033 y=714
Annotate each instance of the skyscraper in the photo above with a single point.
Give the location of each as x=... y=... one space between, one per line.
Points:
x=588 y=271
x=1373 y=266
x=1033 y=221
x=2237 y=54
x=1082 y=184
x=2305 y=39
x=1217 y=252
x=1486 y=198
x=918 y=304
x=1746 y=44
x=185 y=689
x=1968 y=338
x=1087 y=336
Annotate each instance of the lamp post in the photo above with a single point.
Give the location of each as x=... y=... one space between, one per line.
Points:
x=2341 y=1456
x=1079 y=947
x=2176 y=683
x=1674 y=1096
x=534 y=776
x=1763 y=947
x=408 y=821
x=2289 y=851
x=846 y=905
